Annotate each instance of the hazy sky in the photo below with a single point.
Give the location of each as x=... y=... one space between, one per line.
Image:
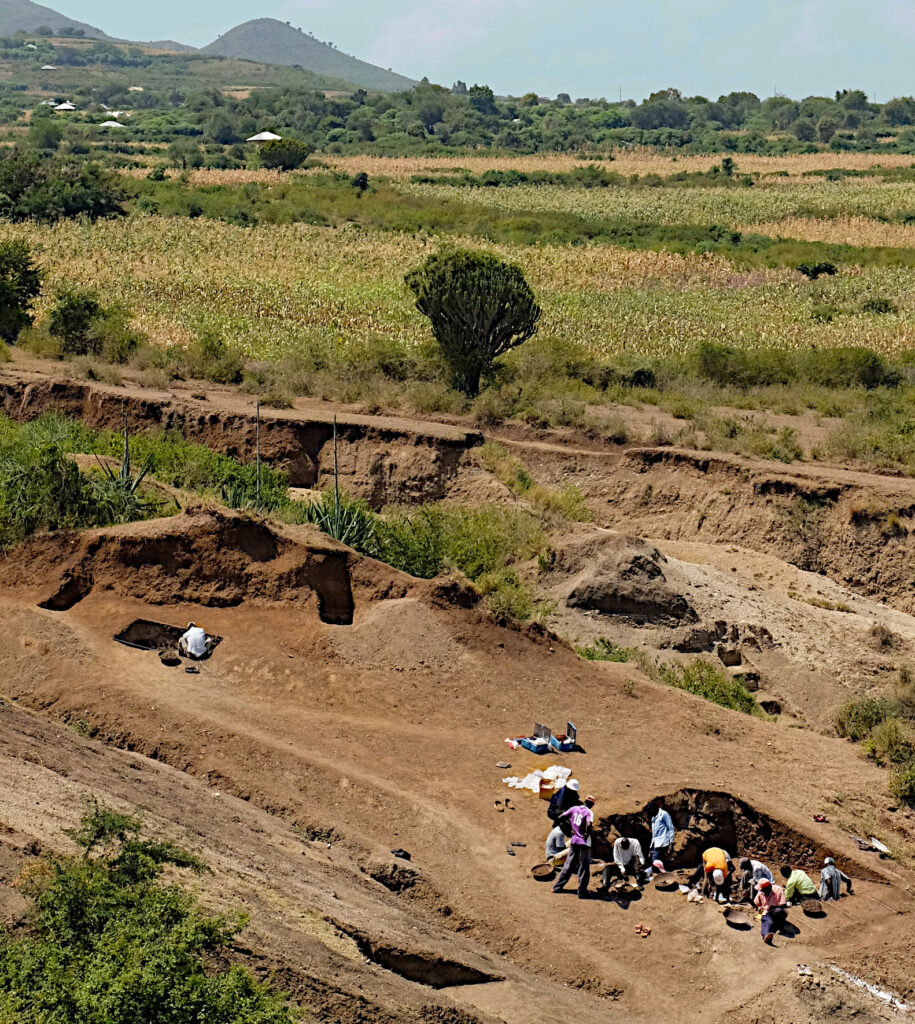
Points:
x=583 y=47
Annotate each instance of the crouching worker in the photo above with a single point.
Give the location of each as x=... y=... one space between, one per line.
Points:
x=831 y=879
x=557 y=847
x=771 y=901
x=194 y=643
x=715 y=874
x=581 y=818
x=798 y=885
x=749 y=873
x=628 y=860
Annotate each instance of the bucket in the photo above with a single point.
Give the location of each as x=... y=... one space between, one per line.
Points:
x=547 y=789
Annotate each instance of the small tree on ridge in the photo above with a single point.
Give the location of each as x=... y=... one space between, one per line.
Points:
x=479 y=307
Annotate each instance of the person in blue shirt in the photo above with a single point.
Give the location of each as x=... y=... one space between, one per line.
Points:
x=662 y=835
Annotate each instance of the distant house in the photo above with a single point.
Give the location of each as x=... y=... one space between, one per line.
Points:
x=31 y=46
x=265 y=137
x=135 y=88
x=48 y=67
x=65 y=107
x=48 y=103
x=112 y=124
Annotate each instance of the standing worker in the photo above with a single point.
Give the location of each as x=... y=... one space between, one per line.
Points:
x=581 y=818
x=662 y=836
x=831 y=879
x=562 y=800
x=771 y=901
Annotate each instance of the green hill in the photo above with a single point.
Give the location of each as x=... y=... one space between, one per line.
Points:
x=273 y=42
x=24 y=16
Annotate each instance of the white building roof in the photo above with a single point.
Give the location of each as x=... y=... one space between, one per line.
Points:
x=265 y=137
x=65 y=106
x=48 y=67
x=112 y=124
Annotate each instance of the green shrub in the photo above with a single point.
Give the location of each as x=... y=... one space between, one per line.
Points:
x=879 y=306
x=110 y=943
x=856 y=718
x=606 y=650
x=707 y=680
x=902 y=784
x=891 y=740
x=284 y=154
x=210 y=358
x=71 y=317
x=20 y=285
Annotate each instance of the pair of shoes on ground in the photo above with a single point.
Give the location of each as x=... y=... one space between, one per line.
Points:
x=643 y=930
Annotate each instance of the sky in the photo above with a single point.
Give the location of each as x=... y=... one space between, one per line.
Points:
x=581 y=47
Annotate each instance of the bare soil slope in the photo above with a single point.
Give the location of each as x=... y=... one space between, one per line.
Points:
x=385 y=734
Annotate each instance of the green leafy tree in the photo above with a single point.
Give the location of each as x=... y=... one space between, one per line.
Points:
x=45 y=133
x=72 y=317
x=479 y=308
x=20 y=285
x=285 y=154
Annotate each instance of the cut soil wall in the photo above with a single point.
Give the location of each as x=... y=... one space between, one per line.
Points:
x=857 y=528
x=381 y=459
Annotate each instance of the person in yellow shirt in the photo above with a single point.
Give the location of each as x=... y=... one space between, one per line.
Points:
x=798 y=885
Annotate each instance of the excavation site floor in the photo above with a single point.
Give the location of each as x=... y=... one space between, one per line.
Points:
x=303 y=752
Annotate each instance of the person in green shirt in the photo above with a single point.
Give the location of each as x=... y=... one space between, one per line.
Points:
x=798 y=885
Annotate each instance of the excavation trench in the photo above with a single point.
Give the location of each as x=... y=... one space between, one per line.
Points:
x=419 y=966
x=704 y=818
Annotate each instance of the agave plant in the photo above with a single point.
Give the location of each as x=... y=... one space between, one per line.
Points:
x=347 y=520
x=119 y=492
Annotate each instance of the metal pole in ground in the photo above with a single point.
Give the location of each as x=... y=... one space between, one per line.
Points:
x=336 y=482
x=258 y=484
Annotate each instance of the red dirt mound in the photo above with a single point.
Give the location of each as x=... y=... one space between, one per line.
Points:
x=207 y=557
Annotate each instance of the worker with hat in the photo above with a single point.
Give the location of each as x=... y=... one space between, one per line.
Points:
x=581 y=818
x=563 y=800
x=715 y=873
x=770 y=899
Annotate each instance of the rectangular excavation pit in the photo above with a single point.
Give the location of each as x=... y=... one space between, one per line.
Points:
x=146 y=635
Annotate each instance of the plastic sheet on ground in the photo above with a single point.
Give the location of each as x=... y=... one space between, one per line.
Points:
x=555 y=773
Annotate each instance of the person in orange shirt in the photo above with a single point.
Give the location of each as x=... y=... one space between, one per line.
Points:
x=716 y=872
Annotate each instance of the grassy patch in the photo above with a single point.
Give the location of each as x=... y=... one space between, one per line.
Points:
x=564 y=503
x=705 y=679
x=606 y=650
x=885 y=726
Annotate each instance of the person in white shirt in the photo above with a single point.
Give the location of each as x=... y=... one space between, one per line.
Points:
x=556 y=844
x=628 y=859
x=194 y=642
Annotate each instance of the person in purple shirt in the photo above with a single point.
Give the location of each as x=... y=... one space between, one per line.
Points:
x=581 y=818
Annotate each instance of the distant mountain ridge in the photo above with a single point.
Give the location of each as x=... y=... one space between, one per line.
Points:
x=269 y=41
x=25 y=16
